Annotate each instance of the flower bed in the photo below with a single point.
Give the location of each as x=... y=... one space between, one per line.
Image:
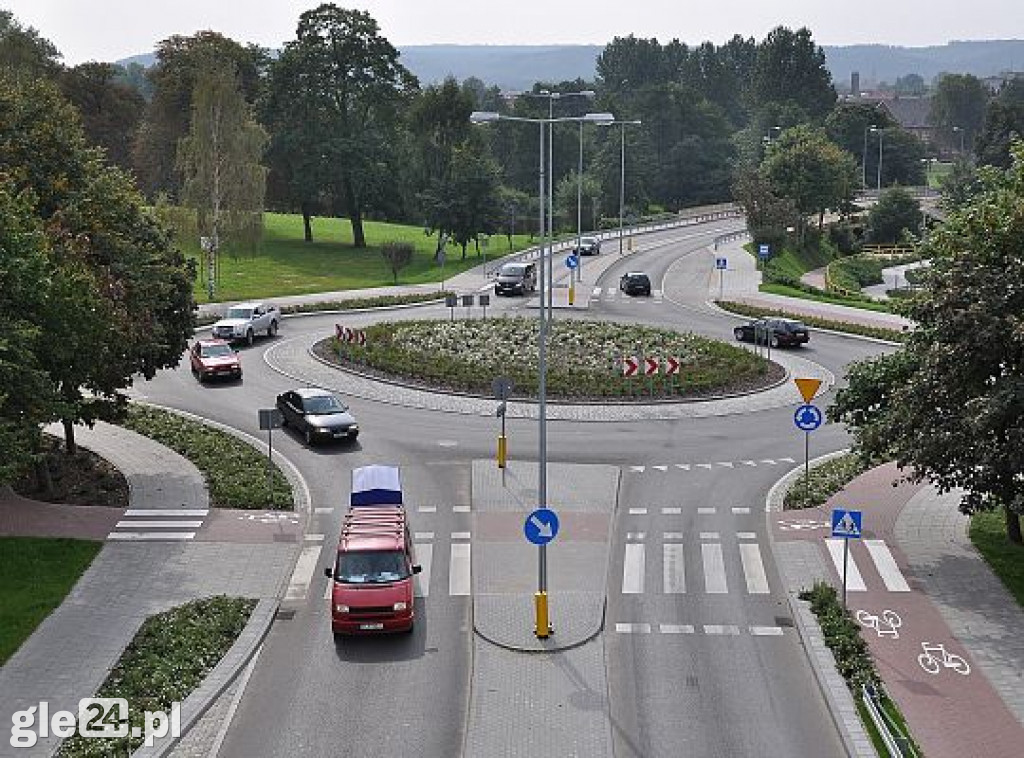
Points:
x=584 y=358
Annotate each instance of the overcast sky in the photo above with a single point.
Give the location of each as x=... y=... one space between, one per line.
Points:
x=108 y=30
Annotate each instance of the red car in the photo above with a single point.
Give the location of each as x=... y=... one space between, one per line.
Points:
x=214 y=358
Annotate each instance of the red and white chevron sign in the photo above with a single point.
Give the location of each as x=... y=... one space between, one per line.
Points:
x=671 y=366
x=359 y=336
x=650 y=366
x=630 y=365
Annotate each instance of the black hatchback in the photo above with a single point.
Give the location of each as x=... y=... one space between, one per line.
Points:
x=635 y=283
x=778 y=332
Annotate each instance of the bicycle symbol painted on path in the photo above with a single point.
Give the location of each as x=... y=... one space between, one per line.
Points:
x=885 y=626
x=933 y=664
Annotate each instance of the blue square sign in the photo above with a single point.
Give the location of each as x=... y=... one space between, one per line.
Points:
x=764 y=250
x=846 y=523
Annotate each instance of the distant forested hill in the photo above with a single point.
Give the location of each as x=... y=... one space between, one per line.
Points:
x=517 y=67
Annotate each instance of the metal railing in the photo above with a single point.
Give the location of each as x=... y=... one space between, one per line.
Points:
x=895 y=741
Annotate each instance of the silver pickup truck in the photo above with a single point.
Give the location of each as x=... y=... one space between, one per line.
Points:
x=245 y=320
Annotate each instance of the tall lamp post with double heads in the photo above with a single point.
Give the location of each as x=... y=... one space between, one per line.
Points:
x=879 y=131
x=622 y=170
x=480 y=117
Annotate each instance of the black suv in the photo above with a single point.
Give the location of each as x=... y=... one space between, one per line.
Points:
x=589 y=246
x=784 y=332
x=635 y=283
x=516 y=279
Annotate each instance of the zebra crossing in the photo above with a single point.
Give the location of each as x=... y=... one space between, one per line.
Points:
x=670 y=578
x=158 y=525
x=611 y=294
x=879 y=558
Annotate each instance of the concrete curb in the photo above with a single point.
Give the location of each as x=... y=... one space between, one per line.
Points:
x=223 y=674
x=833 y=687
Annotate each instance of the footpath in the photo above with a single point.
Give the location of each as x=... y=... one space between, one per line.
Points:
x=951 y=604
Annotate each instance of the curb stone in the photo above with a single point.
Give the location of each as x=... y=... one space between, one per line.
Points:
x=833 y=688
x=223 y=674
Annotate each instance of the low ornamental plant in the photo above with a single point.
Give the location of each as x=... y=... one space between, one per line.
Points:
x=842 y=636
x=825 y=480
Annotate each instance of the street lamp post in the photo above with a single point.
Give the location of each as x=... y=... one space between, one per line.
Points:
x=622 y=171
x=542 y=631
x=960 y=129
x=879 y=131
x=864 y=157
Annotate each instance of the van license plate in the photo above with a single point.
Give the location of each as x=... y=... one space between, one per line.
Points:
x=370 y=627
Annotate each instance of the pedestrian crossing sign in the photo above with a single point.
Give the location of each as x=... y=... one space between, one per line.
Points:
x=846 y=524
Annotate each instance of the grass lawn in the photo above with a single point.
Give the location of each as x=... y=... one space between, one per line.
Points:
x=35 y=575
x=866 y=305
x=988 y=533
x=287 y=265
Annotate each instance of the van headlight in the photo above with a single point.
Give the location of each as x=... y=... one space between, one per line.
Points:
x=401 y=606
x=339 y=608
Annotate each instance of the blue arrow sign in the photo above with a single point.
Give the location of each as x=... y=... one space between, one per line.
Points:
x=541 y=526
x=807 y=418
x=571 y=261
x=846 y=524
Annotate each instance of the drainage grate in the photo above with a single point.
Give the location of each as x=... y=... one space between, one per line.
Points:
x=285 y=614
x=784 y=621
x=691 y=681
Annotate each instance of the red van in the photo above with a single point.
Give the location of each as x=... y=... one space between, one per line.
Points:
x=373 y=573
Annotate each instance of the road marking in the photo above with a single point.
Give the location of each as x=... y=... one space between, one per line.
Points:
x=460 y=535
x=766 y=631
x=637 y=469
x=636 y=535
x=633 y=628
x=448 y=443
x=674 y=570
x=633 y=569
x=787 y=460
x=676 y=628
x=166 y=512
x=704 y=465
x=748 y=463
x=710 y=535
x=740 y=511
x=671 y=535
x=427 y=509
x=637 y=511
x=327 y=590
x=887 y=567
x=458 y=572
x=596 y=292
x=683 y=466
x=323 y=511
x=423 y=535
x=746 y=535
x=671 y=511
x=769 y=461
x=705 y=511
x=753 y=569
x=854 y=581
x=460 y=509
x=304 y=568
x=425 y=555
x=727 y=464
x=152 y=536
x=313 y=538
x=728 y=629
x=158 y=524
x=660 y=468
x=714 y=569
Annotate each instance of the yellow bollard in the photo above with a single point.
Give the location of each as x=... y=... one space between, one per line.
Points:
x=502 y=450
x=572 y=294
x=543 y=628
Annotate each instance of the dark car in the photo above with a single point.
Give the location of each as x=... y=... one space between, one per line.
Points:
x=589 y=246
x=214 y=359
x=778 y=332
x=516 y=279
x=317 y=414
x=635 y=283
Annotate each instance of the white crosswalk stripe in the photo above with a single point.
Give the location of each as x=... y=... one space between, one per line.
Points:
x=714 y=569
x=158 y=524
x=425 y=555
x=891 y=575
x=459 y=568
x=753 y=569
x=633 y=569
x=674 y=572
x=854 y=580
x=713 y=563
x=877 y=553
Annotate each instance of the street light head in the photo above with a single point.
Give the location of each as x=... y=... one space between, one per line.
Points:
x=483 y=117
x=586 y=93
x=599 y=118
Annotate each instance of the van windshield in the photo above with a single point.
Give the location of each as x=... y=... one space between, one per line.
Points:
x=372 y=567
x=244 y=313
x=512 y=269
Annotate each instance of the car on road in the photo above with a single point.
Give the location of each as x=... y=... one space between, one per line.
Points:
x=588 y=246
x=211 y=359
x=516 y=279
x=318 y=415
x=244 y=321
x=778 y=332
x=635 y=283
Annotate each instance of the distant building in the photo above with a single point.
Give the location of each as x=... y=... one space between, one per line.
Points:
x=855 y=84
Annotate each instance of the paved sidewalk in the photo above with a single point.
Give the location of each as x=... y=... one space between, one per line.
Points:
x=70 y=653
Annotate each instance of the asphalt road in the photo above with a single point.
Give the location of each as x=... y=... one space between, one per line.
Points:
x=718 y=693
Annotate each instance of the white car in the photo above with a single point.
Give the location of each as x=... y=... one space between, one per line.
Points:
x=245 y=320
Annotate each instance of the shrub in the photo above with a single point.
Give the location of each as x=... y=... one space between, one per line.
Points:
x=842 y=636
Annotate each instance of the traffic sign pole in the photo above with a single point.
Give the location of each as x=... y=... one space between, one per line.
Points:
x=846 y=563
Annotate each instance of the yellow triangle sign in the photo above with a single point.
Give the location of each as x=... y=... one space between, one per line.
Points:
x=808 y=388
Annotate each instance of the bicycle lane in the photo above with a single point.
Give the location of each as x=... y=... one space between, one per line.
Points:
x=950 y=706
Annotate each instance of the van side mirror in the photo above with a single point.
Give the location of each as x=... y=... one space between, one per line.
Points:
x=417 y=569
x=328 y=572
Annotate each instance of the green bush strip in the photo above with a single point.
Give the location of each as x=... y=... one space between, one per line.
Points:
x=584 y=358
x=824 y=480
x=754 y=311
x=988 y=533
x=352 y=304
x=36 y=574
x=169 y=656
x=236 y=472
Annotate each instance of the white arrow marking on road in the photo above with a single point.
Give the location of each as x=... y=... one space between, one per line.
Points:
x=683 y=466
x=543 y=527
x=660 y=468
x=637 y=469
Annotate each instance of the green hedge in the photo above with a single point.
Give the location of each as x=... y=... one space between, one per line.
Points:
x=842 y=636
x=754 y=311
x=825 y=480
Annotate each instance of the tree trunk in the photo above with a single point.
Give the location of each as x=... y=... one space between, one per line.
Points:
x=44 y=482
x=69 y=436
x=1012 y=526
x=307 y=225
x=355 y=215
